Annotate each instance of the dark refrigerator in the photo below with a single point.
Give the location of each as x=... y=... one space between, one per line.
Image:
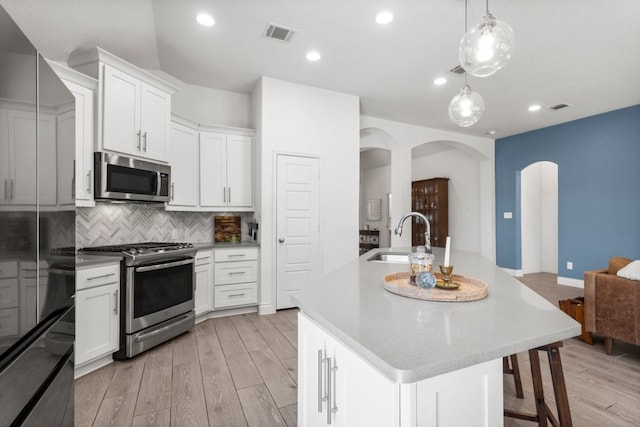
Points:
x=37 y=236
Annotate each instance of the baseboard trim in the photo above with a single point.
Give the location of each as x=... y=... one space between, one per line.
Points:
x=568 y=281
x=92 y=366
x=266 y=309
x=512 y=272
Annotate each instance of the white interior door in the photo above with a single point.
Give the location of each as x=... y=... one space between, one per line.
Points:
x=298 y=225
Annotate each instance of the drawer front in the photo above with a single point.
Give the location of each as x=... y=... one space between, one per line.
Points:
x=233 y=295
x=8 y=293
x=204 y=257
x=97 y=276
x=30 y=269
x=239 y=254
x=8 y=269
x=8 y=322
x=227 y=273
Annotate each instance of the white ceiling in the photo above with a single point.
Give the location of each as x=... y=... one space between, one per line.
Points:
x=581 y=52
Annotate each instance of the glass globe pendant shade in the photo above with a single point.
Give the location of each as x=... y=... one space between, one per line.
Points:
x=466 y=108
x=487 y=47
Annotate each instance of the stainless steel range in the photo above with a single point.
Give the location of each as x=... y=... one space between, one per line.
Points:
x=157 y=288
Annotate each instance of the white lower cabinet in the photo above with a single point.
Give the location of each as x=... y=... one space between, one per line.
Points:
x=97 y=312
x=235 y=277
x=9 y=299
x=337 y=387
x=204 y=281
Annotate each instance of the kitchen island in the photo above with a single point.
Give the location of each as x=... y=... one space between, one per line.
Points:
x=370 y=357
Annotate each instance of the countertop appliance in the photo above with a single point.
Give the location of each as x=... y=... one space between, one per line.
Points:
x=157 y=287
x=127 y=179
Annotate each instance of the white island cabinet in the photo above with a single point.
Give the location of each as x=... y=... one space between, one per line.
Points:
x=370 y=357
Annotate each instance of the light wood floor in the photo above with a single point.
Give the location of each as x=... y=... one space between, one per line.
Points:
x=241 y=370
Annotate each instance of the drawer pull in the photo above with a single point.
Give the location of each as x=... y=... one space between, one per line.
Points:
x=237 y=272
x=237 y=295
x=104 y=276
x=234 y=255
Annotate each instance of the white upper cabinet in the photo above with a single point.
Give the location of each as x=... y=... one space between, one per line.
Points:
x=226 y=170
x=184 y=166
x=134 y=107
x=83 y=88
x=19 y=153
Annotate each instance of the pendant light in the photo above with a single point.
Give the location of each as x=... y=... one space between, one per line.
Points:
x=486 y=47
x=467 y=107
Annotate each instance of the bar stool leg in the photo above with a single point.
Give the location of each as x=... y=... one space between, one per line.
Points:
x=538 y=391
x=559 y=386
x=514 y=369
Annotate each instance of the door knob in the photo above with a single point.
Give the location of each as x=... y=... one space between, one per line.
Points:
x=281 y=240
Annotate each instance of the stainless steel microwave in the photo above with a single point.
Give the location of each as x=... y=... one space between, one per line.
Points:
x=126 y=179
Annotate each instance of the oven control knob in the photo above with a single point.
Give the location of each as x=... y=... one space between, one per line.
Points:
x=132 y=251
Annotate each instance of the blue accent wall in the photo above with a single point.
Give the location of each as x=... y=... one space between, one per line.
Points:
x=598 y=162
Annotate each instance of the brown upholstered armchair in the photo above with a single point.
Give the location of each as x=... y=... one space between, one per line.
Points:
x=612 y=304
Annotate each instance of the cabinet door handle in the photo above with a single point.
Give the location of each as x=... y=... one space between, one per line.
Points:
x=101 y=277
x=329 y=391
x=229 y=190
x=173 y=191
x=11 y=186
x=6 y=193
x=138 y=144
x=332 y=408
x=224 y=194
x=115 y=307
x=89 y=181
x=144 y=142
x=73 y=183
x=321 y=379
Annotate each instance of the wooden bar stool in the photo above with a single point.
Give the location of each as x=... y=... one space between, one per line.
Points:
x=543 y=412
x=513 y=369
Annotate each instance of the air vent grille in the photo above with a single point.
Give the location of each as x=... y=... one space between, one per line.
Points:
x=279 y=33
x=557 y=107
x=457 y=70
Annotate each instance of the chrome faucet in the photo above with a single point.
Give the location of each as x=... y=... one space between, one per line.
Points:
x=427 y=234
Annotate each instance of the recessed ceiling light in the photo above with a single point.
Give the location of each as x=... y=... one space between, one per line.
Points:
x=490 y=133
x=313 y=56
x=534 y=107
x=439 y=81
x=205 y=19
x=384 y=18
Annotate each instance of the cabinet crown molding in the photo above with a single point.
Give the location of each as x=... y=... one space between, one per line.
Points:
x=72 y=75
x=84 y=59
x=202 y=127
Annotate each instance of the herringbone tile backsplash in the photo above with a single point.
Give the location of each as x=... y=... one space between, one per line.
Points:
x=112 y=224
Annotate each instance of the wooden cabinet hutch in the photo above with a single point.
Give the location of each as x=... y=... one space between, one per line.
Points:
x=430 y=197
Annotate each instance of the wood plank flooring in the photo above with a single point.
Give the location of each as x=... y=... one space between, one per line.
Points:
x=242 y=371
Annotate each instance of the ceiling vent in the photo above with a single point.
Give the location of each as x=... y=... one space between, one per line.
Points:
x=457 y=70
x=279 y=33
x=557 y=107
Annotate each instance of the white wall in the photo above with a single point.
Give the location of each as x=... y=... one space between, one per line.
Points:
x=376 y=183
x=463 y=171
x=296 y=119
x=539 y=213
x=402 y=138
x=208 y=106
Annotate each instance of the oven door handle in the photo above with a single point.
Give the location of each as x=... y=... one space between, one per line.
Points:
x=163 y=266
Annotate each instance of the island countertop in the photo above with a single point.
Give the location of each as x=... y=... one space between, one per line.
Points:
x=409 y=340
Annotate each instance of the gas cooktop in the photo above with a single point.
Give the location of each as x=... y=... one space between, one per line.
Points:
x=144 y=252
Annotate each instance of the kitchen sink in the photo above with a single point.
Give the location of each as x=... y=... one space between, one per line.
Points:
x=393 y=257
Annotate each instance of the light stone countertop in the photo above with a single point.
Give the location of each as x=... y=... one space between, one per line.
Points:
x=89 y=261
x=409 y=340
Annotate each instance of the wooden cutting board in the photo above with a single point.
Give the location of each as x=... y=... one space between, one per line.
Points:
x=227 y=228
x=471 y=289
